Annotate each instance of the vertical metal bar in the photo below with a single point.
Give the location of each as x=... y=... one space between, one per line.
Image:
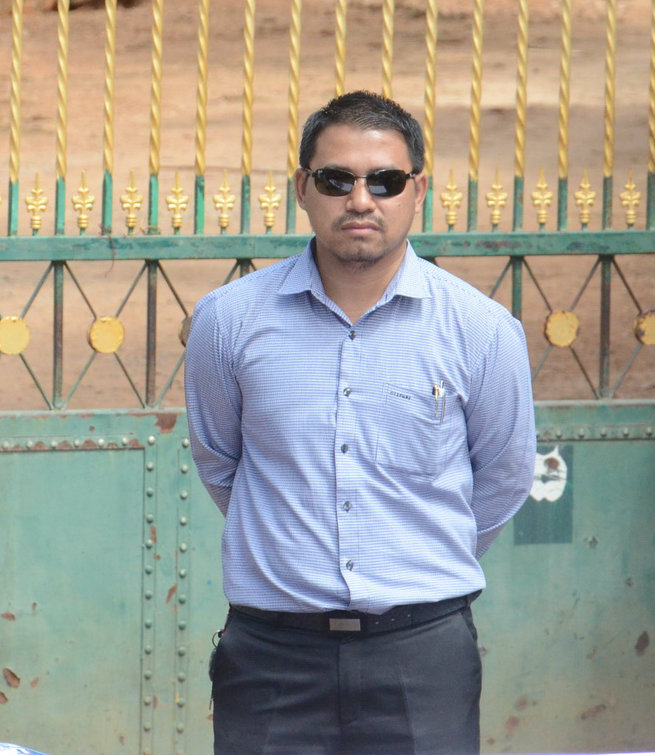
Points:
x=151 y=333
x=58 y=334
x=155 y=115
x=14 y=114
x=650 y=190
x=201 y=116
x=248 y=95
x=340 y=45
x=388 y=13
x=563 y=117
x=108 y=116
x=521 y=113
x=429 y=98
x=292 y=129
x=605 y=294
x=62 y=114
x=610 y=99
x=475 y=116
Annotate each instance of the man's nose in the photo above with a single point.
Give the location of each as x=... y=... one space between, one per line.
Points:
x=360 y=198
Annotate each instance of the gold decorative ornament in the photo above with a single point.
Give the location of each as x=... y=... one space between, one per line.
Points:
x=387 y=46
x=630 y=200
x=269 y=201
x=36 y=203
x=496 y=200
x=83 y=203
x=644 y=327
x=561 y=328
x=340 y=47
x=14 y=335
x=224 y=202
x=177 y=202
x=541 y=199
x=584 y=199
x=131 y=202
x=184 y=330
x=451 y=199
x=106 y=334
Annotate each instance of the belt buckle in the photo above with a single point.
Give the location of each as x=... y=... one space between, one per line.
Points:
x=344 y=623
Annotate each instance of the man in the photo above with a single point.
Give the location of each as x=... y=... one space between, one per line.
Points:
x=364 y=421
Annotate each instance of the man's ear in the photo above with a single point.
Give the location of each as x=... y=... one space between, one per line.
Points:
x=300 y=178
x=421 y=184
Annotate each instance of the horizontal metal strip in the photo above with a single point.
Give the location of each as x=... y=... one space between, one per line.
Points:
x=270 y=246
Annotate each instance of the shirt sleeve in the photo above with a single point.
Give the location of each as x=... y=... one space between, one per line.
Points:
x=213 y=403
x=501 y=431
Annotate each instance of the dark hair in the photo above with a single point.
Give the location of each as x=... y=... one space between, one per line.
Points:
x=367 y=111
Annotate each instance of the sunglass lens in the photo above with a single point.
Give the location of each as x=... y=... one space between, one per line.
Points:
x=334 y=183
x=386 y=183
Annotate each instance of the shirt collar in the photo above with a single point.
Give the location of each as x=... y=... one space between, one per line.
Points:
x=409 y=281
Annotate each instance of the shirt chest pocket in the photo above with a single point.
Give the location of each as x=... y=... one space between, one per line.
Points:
x=413 y=431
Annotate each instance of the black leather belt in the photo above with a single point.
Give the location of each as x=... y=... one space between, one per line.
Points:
x=357 y=622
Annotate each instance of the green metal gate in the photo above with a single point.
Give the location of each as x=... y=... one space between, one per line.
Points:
x=109 y=547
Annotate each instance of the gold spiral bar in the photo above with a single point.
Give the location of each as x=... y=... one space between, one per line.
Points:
x=387 y=46
x=62 y=86
x=248 y=77
x=340 y=53
x=476 y=90
x=15 y=89
x=651 y=95
x=564 y=93
x=610 y=93
x=294 y=87
x=430 y=83
x=108 y=102
x=521 y=90
x=155 y=86
x=201 y=95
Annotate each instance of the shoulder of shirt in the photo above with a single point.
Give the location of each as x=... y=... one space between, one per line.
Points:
x=462 y=294
x=242 y=292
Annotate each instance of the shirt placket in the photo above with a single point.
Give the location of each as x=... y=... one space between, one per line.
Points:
x=346 y=454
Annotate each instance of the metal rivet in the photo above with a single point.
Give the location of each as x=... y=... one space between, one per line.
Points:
x=150 y=466
x=182 y=599
x=181 y=702
x=147 y=674
x=184 y=494
x=150 y=492
x=649 y=431
x=151 y=440
x=181 y=625
x=626 y=431
x=77 y=443
x=182 y=573
x=147 y=727
x=147 y=649
x=53 y=444
x=180 y=728
x=29 y=444
x=181 y=650
x=147 y=700
x=124 y=441
x=5 y=444
x=148 y=569
x=101 y=442
x=581 y=432
x=184 y=468
x=148 y=623
x=181 y=677
x=150 y=518
x=149 y=544
x=558 y=433
x=183 y=521
x=185 y=443
x=603 y=432
x=148 y=595
x=183 y=547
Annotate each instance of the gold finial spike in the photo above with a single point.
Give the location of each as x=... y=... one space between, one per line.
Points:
x=630 y=200
x=36 y=203
x=224 y=202
x=83 y=203
x=541 y=199
x=269 y=201
x=584 y=198
x=131 y=203
x=177 y=202
x=451 y=199
x=496 y=200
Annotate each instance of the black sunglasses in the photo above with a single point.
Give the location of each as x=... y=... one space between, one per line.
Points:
x=334 y=182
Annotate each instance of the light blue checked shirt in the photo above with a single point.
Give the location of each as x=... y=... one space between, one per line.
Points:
x=346 y=478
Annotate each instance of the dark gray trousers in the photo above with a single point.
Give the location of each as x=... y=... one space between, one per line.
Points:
x=279 y=691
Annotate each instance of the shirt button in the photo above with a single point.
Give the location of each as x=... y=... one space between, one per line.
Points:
x=344 y=448
x=347 y=506
x=347 y=391
x=350 y=565
x=352 y=334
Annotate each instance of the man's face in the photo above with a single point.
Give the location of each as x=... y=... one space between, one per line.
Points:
x=359 y=229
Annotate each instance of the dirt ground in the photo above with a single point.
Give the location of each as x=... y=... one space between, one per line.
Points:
x=96 y=289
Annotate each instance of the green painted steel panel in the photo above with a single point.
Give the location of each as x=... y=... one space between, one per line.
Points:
x=107 y=529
